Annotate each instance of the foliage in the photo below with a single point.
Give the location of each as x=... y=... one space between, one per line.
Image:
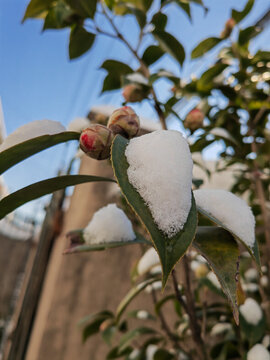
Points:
x=233 y=94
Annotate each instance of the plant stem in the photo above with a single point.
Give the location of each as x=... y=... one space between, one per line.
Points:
x=190 y=309
x=164 y=324
x=144 y=68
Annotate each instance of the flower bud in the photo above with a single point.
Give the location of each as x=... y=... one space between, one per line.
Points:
x=133 y=93
x=194 y=120
x=96 y=141
x=229 y=25
x=124 y=121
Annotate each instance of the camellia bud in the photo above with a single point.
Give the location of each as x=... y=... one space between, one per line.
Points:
x=229 y=25
x=124 y=121
x=194 y=120
x=96 y=141
x=133 y=93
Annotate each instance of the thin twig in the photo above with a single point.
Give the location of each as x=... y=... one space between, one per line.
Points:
x=164 y=324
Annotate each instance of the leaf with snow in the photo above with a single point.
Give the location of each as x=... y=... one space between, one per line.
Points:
x=171 y=219
x=220 y=250
x=108 y=228
x=30 y=139
x=252 y=321
x=231 y=213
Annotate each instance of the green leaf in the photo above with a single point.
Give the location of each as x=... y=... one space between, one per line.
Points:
x=116 y=67
x=133 y=292
x=152 y=54
x=204 y=46
x=19 y=152
x=163 y=301
x=99 y=247
x=41 y=188
x=162 y=354
x=159 y=20
x=57 y=16
x=92 y=323
x=80 y=41
x=36 y=7
x=221 y=251
x=240 y=15
x=247 y=34
x=185 y=7
x=254 y=251
x=133 y=334
x=205 y=82
x=85 y=8
x=169 y=250
x=171 y=45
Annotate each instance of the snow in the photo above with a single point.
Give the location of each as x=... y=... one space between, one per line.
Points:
x=32 y=130
x=251 y=274
x=108 y=224
x=148 y=260
x=251 y=311
x=78 y=124
x=264 y=281
x=251 y=287
x=157 y=285
x=229 y=210
x=142 y=314
x=150 y=351
x=258 y=352
x=214 y=280
x=220 y=328
x=160 y=169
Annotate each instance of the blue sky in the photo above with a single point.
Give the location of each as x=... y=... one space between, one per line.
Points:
x=37 y=80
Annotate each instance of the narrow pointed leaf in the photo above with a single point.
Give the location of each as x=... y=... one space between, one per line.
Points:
x=99 y=247
x=133 y=292
x=133 y=334
x=170 y=250
x=221 y=251
x=204 y=46
x=41 y=188
x=171 y=45
x=240 y=15
x=19 y=152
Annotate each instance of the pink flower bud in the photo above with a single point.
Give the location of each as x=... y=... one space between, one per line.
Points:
x=229 y=25
x=133 y=93
x=194 y=120
x=124 y=121
x=96 y=141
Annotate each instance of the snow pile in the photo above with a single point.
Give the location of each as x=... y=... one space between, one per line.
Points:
x=220 y=328
x=108 y=224
x=142 y=314
x=148 y=260
x=160 y=169
x=258 y=352
x=78 y=125
x=251 y=287
x=137 y=78
x=251 y=311
x=157 y=285
x=214 y=280
x=222 y=133
x=32 y=130
x=230 y=210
